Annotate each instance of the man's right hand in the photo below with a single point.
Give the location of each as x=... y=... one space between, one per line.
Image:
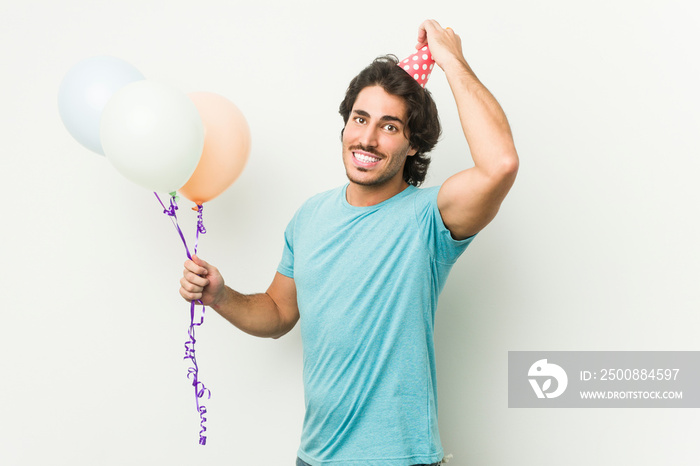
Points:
x=201 y=282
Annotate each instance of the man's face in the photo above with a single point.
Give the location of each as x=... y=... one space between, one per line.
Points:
x=374 y=144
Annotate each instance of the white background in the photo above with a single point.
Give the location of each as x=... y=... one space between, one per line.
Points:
x=595 y=248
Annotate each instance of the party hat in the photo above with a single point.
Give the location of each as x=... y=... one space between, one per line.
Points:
x=419 y=65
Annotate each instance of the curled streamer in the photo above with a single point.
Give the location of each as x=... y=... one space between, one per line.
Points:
x=202 y=438
x=200 y=227
x=202 y=390
x=200 y=222
x=193 y=370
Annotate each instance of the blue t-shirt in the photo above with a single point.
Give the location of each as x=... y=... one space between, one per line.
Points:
x=368 y=280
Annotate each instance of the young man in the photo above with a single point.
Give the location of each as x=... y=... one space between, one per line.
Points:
x=363 y=264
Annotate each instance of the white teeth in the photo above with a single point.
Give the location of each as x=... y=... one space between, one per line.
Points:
x=365 y=158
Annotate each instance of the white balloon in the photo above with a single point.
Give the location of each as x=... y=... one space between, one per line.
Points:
x=153 y=135
x=84 y=92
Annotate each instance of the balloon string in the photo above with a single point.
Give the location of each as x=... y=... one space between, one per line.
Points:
x=199 y=387
x=200 y=226
x=172 y=213
x=193 y=371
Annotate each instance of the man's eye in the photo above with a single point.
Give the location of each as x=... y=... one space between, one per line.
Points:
x=360 y=120
x=391 y=128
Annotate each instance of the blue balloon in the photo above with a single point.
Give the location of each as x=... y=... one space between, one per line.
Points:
x=84 y=92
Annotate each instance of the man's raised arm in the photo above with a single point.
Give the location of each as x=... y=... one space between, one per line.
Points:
x=470 y=199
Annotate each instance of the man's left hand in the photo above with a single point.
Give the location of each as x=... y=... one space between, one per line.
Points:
x=445 y=45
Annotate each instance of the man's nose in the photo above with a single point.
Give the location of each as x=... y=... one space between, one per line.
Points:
x=368 y=138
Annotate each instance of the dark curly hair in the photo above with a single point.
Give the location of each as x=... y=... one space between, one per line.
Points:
x=422 y=121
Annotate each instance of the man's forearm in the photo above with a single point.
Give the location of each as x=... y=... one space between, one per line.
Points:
x=256 y=314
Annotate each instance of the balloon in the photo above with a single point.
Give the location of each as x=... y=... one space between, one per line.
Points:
x=226 y=147
x=153 y=135
x=84 y=92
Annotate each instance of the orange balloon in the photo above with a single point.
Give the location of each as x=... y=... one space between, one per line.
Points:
x=226 y=147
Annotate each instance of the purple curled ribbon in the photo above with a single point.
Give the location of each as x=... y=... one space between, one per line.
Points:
x=172 y=213
x=193 y=371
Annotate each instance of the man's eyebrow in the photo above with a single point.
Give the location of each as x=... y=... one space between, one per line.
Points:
x=384 y=118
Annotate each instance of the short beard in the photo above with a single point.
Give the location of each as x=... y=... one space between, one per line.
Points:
x=372 y=182
x=392 y=170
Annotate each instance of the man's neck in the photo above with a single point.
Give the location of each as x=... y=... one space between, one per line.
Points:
x=364 y=196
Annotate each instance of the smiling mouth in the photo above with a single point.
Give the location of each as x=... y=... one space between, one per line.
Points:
x=365 y=158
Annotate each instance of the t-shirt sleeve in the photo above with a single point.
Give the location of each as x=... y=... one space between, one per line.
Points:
x=443 y=246
x=286 y=265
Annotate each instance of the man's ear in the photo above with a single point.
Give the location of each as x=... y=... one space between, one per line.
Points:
x=411 y=151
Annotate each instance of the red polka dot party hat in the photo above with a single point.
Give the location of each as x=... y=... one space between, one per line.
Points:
x=419 y=65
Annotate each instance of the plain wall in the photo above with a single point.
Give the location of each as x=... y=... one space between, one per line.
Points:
x=594 y=249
